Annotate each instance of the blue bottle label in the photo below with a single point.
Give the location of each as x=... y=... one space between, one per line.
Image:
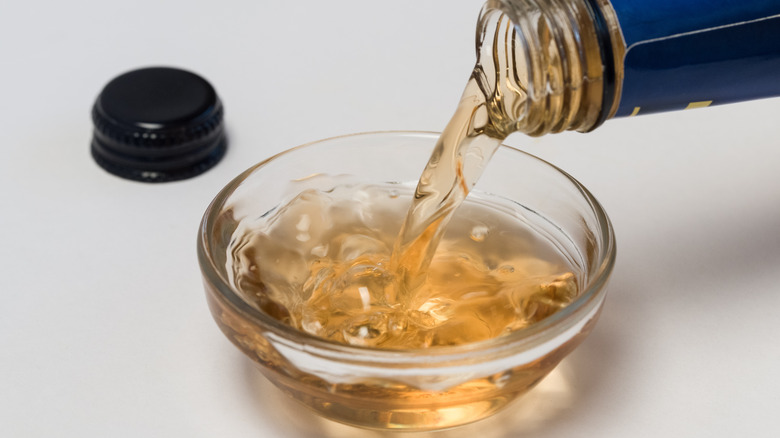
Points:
x=694 y=53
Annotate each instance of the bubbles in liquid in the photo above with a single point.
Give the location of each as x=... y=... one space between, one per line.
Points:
x=479 y=232
x=303 y=227
x=366 y=329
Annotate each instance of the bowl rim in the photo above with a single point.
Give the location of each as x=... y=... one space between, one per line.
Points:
x=593 y=294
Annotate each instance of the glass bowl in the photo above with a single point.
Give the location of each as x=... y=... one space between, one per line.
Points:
x=420 y=388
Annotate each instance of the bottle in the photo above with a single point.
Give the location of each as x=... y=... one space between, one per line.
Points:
x=582 y=62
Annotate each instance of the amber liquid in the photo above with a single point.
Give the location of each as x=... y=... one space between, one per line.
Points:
x=346 y=265
x=324 y=264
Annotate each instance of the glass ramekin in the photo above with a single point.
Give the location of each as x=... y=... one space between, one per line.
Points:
x=414 y=389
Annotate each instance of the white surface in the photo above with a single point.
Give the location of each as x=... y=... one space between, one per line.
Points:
x=104 y=329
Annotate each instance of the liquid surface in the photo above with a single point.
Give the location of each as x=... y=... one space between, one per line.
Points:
x=323 y=264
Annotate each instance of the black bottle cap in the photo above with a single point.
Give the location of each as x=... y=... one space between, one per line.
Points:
x=158 y=124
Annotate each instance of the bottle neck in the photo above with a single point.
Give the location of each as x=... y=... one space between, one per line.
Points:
x=550 y=65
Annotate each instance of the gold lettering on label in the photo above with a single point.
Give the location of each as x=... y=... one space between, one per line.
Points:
x=702 y=104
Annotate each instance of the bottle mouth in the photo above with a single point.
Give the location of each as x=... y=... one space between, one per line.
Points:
x=558 y=55
x=537 y=336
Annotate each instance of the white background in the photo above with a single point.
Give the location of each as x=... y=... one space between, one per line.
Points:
x=104 y=329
